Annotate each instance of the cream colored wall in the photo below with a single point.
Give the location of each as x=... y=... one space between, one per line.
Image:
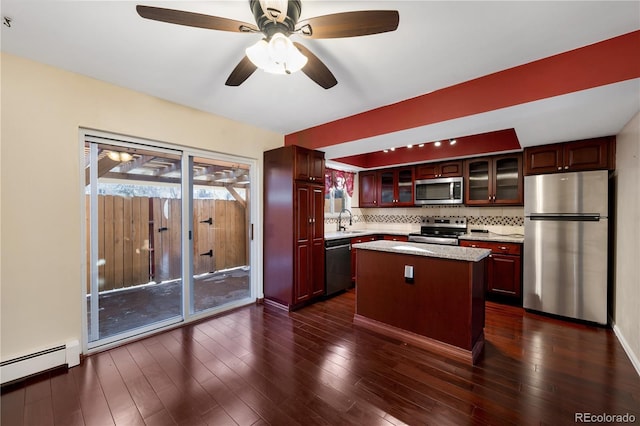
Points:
x=42 y=110
x=626 y=313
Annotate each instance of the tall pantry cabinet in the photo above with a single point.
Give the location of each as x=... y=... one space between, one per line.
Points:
x=293 y=226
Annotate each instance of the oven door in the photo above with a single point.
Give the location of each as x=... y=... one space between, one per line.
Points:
x=439 y=191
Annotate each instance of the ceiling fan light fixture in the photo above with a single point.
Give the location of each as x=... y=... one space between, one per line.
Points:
x=278 y=56
x=275 y=10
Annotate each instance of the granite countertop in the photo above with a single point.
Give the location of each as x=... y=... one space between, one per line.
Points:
x=493 y=237
x=471 y=236
x=355 y=233
x=466 y=254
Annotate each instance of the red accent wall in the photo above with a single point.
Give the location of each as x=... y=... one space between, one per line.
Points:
x=486 y=143
x=599 y=64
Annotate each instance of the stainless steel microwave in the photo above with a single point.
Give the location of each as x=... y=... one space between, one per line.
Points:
x=439 y=191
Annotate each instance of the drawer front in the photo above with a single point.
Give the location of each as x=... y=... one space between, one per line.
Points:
x=495 y=247
x=364 y=239
x=395 y=238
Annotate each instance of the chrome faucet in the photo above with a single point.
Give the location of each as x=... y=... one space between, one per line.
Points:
x=340 y=226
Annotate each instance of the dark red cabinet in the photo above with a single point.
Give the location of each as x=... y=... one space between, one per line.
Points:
x=368 y=193
x=401 y=238
x=494 y=180
x=396 y=187
x=309 y=241
x=293 y=236
x=309 y=165
x=504 y=268
x=588 y=154
x=438 y=170
x=353 y=252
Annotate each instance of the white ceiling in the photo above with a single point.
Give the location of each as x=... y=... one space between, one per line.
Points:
x=437 y=44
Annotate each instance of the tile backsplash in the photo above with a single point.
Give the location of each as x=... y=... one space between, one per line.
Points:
x=508 y=220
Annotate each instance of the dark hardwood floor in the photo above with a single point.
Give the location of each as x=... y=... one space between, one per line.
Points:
x=259 y=365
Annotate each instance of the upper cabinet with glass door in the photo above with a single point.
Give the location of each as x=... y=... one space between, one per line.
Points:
x=494 y=180
x=396 y=187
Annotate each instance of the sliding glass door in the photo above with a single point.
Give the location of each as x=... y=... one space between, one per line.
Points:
x=166 y=237
x=221 y=272
x=133 y=200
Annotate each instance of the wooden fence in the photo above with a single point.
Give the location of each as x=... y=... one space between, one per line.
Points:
x=139 y=239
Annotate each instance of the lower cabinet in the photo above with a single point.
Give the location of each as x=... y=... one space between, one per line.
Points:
x=353 y=252
x=395 y=238
x=309 y=234
x=504 y=269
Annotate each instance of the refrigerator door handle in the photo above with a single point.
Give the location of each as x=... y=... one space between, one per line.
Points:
x=566 y=217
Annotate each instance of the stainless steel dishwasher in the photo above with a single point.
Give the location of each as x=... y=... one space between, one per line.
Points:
x=337 y=261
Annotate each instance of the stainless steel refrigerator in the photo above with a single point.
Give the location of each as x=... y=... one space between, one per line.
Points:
x=565 y=246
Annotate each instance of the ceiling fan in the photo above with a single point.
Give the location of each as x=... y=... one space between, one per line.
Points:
x=277 y=20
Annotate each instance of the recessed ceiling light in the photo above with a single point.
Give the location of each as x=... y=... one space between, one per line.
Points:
x=438 y=143
x=385 y=150
x=452 y=141
x=409 y=146
x=393 y=149
x=421 y=145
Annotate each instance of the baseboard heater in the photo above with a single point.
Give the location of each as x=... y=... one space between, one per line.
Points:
x=39 y=362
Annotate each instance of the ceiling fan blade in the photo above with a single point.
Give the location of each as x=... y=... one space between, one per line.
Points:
x=349 y=24
x=241 y=72
x=191 y=19
x=316 y=70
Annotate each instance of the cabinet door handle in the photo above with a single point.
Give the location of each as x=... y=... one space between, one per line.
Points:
x=560 y=168
x=566 y=167
x=474 y=246
x=503 y=248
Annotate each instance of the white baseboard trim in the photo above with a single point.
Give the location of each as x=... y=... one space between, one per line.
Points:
x=635 y=361
x=40 y=361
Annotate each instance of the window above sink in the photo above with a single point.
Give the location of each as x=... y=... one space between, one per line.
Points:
x=338 y=191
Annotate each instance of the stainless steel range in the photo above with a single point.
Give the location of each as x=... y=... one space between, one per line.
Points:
x=440 y=230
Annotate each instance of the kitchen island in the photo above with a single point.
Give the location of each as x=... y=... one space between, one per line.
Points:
x=431 y=296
